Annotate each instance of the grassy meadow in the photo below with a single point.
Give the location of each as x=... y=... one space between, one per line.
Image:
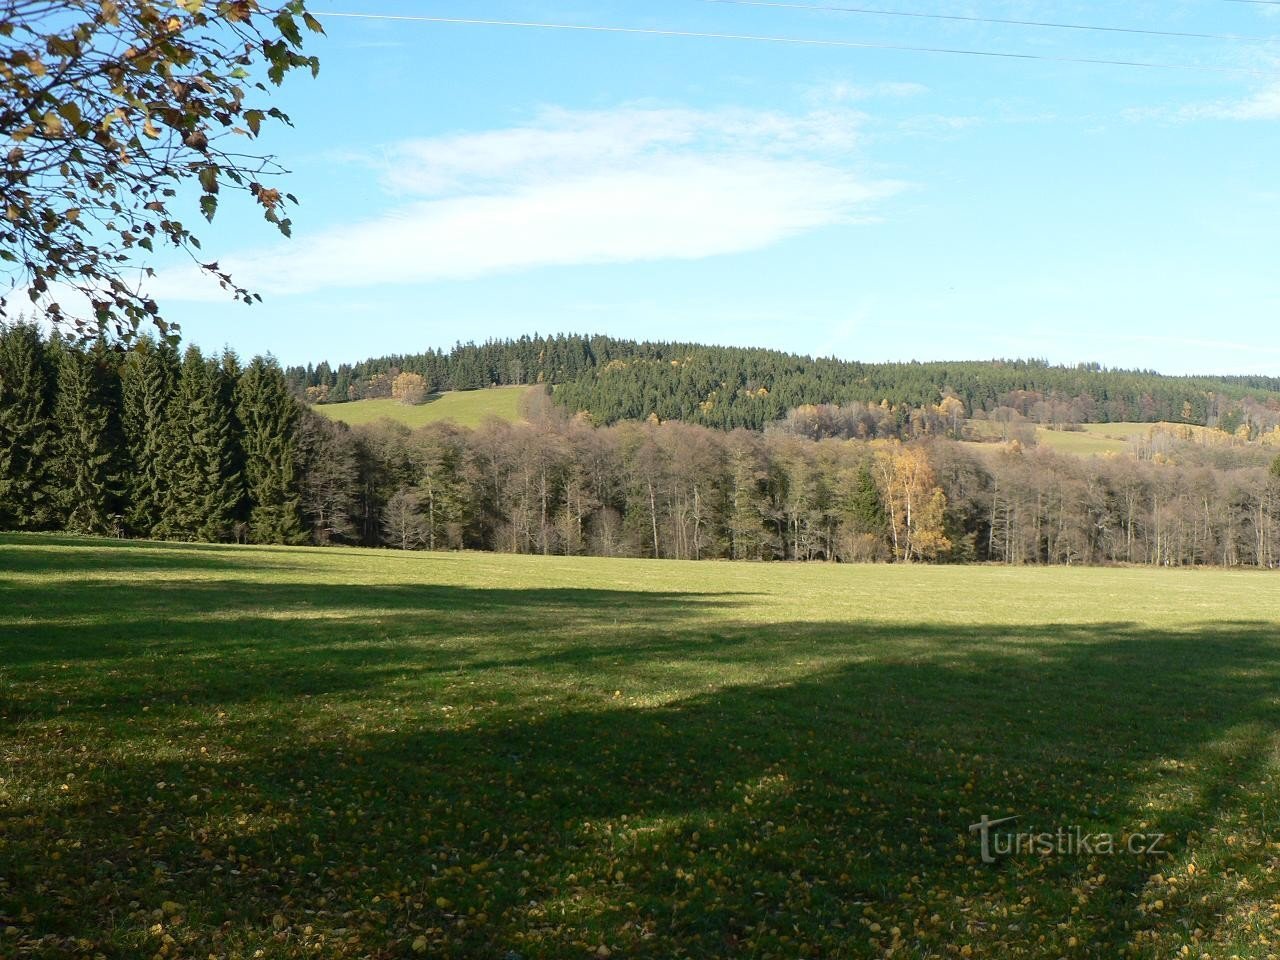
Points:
x=275 y=752
x=466 y=408
x=1100 y=439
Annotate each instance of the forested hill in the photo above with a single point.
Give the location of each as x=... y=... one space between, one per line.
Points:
x=726 y=387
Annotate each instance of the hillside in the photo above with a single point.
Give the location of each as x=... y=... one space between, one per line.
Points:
x=466 y=408
x=726 y=387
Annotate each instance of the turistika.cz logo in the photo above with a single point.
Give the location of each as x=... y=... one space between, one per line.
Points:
x=1069 y=841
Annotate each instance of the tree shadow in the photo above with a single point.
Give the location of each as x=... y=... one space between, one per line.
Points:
x=338 y=769
x=27 y=554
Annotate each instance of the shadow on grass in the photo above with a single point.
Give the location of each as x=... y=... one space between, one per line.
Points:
x=344 y=770
x=28 y=553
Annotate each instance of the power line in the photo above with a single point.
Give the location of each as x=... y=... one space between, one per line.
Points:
x=795 y=41
x=1017 y=23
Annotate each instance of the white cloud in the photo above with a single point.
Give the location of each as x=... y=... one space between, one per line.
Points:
x=586 y=187
x=844 y=91
x=1263 y=104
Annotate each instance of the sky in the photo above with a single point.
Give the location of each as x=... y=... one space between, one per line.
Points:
x=466 y=181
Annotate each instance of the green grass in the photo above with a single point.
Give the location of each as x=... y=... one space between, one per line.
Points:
x=467 y=408
x=273 y=752
x=1093 y=439
x=1090 y=442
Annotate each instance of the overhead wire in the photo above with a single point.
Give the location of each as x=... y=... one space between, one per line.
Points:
x=1048 y=24
x=770 y=38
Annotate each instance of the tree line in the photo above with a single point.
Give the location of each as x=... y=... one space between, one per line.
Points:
x=146 y=442
x=613 y=379
x=560 y=485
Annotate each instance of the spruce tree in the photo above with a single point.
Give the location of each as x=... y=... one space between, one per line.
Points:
x=865 y=510
x=269 y=418
x=87 y=463
x=181 y=509
x=27 y=431
x=205 y=476
x=147 y=384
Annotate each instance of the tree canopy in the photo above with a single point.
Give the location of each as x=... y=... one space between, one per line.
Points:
x=108 y=110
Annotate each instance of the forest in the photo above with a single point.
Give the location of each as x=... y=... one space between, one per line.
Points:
x=612 y=380
x=148 y=442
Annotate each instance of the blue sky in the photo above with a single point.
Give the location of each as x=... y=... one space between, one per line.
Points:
x=465 y=181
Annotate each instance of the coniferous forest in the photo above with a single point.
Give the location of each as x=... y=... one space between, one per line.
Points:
x=154 y=442
x=730 y=387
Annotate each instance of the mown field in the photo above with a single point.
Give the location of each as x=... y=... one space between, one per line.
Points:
x=272 y=752
x=1094 y=439
x=467 y=408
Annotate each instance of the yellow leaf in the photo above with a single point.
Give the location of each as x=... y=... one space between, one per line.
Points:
x=150 y=130
x=420 y=945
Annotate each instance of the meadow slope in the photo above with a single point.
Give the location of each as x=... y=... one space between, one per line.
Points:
x=278 y=752
x=467 y=408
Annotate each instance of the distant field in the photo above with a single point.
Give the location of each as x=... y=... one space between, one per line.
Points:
x=1095 y=438
x=274 y=752
x=467 y=408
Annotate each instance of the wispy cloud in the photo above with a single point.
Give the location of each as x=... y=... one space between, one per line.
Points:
x=845 y=91
x=578 y=187
x=1263 y=104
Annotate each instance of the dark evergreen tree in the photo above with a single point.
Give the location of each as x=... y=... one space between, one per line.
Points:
x=88 y=461
x=341 y=386
x=268 y=415
x=28 y=491
x=206 y=476
x=147 y=386
x=863 y=507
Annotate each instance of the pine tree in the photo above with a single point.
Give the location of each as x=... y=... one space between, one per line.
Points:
x=206 y=481
x=341 y=387
x=269 y=417
x=221 y=457
x=864 y=509
x=27 y=434
x=147 y=384
x=87 y=464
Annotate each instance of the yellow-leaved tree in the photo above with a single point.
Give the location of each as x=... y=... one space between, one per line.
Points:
x=409 y=388
x=913 y=501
